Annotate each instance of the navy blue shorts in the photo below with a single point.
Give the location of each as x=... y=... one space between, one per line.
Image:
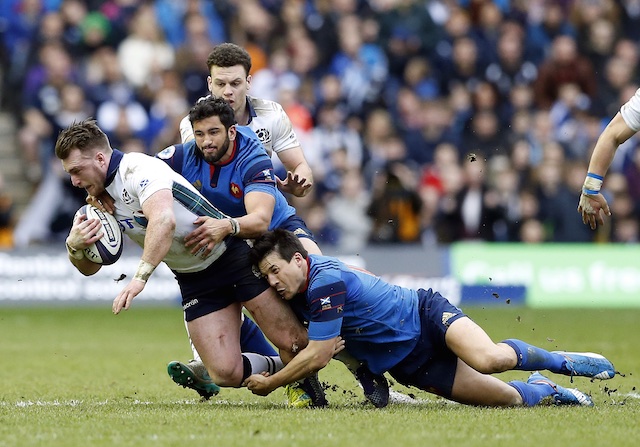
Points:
x=431 y=366
x=230 y=279
x=297 y=226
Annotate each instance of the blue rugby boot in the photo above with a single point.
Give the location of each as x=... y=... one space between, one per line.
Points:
x=562 y=396
x=586 y=364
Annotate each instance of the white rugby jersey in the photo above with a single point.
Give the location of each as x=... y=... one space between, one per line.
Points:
x=630 y=112
x=267 y=119
x=132 y=178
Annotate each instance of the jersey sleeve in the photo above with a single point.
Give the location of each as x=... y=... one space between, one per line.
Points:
x=256 y=168
x=630 y=112
x=326 y=309
x=173 y=156
x=284 y=137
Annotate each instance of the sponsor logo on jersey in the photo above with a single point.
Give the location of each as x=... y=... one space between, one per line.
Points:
x=167 y=153
x=235 y=190
x=446 y=316
x=144 y=183
x=126 y=198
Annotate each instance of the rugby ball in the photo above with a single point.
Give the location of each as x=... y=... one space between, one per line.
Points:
x=108 y=249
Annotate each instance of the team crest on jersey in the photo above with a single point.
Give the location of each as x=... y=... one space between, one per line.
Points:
x=167 y=153
x=235 y=190
x=256 y=272
x=325 y=303
x=264 y=135
x=126 y=198
x=267 y=174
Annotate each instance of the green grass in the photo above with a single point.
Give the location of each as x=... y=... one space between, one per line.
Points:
x=83 y=377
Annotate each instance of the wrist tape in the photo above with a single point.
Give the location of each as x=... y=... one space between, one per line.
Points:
x=592 y=184
x=145 y=269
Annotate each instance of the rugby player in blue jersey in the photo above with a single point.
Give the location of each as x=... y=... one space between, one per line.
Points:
x=417 y=336
x=228 y=165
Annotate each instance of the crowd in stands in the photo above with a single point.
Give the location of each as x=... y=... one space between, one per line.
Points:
x=425 y=121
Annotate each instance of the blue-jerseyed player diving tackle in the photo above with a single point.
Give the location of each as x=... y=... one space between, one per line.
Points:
x=417 y=336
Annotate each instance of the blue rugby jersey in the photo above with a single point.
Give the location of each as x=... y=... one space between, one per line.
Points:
x=379 y=321
x=225 y=185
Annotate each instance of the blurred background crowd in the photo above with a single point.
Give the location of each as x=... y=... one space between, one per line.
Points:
x=425 y=121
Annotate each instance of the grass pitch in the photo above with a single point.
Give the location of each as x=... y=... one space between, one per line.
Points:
x=83 y=377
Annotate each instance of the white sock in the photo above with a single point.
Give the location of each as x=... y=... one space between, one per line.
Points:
x=260 y=363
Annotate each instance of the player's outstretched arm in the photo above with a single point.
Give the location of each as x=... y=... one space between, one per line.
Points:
x=313 y=358
x=592 y=204
x=299 y=179
x=158 y=209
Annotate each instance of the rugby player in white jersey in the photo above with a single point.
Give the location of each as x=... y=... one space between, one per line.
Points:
x=156 y=208
x=229 y=67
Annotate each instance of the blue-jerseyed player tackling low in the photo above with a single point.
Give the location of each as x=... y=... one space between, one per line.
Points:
x=417 y=336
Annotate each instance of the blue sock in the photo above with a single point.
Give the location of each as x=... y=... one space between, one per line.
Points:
x=532 y=393
x=532 y=358
x=253 y=340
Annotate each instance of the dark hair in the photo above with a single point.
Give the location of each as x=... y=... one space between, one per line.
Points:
x=85 y=136
x=227 y=55
x=283 y=242
x=212 y=106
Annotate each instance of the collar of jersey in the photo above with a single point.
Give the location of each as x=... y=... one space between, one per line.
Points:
x=116 y=158
x=252 y=111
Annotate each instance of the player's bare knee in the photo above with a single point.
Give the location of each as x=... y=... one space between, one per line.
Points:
x=491 y=362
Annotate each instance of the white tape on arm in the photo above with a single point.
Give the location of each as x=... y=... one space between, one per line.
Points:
x=592 y=184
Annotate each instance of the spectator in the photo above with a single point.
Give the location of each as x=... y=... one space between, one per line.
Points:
x=472 y=210
x=395 y=206
x=563 y=66
x=41 y=102
x=191 y=54
x=347 y=211
x=6 y=217
x=147 y=47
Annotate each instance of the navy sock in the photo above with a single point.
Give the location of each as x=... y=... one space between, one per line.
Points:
x=532 y=358
x=253 y=340
x=532 y=393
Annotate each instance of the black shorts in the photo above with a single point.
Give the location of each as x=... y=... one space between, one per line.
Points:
x=431 y=366
x=230 y=279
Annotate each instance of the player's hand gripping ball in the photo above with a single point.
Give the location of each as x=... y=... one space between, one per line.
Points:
x=108 y=249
